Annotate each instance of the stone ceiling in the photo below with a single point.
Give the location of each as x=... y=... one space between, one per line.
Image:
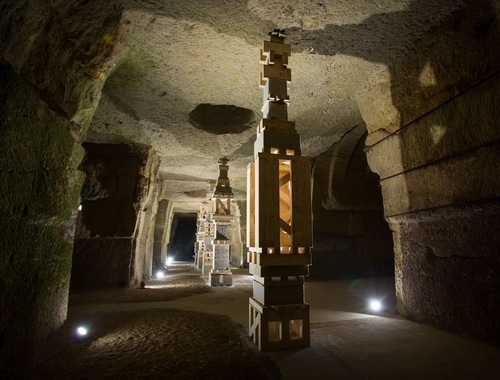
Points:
x=187 y=83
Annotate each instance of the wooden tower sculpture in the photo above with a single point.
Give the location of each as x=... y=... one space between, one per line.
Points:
x=220 y=274
x=279 y=222
x=205 y=232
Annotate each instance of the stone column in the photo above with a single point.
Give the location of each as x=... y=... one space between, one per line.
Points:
x=40 y=185
x=159 y=228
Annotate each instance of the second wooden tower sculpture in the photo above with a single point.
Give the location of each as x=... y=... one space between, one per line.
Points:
x=220 y=274
x=279 y=232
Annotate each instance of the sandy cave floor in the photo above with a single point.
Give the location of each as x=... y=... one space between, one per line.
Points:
x=152 y=343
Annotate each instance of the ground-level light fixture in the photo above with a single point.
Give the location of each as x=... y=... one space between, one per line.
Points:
x=169 y=260
x=80 y=334
x=160 y=274
x=375 y=305
x=81 y=331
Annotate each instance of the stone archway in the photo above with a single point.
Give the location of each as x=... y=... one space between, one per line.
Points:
x=351 y=237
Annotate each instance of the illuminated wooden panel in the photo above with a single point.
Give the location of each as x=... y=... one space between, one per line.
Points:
x=285 y=206
x=293 y=322
x=251 y=205
x=301 y=183
x=267 y=204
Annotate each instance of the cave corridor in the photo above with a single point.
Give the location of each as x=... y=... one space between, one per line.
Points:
x=113 y=116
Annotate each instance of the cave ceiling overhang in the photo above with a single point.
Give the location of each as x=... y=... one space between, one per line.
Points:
x=181 y=55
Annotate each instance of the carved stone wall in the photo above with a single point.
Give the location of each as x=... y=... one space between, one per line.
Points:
x=113 y=242
x=163 y=218
x=351 y=237
x=444 y=211
x=54 y=60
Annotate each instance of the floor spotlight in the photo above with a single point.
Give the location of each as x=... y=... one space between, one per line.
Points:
x=375 y=305
x=80 y=334
x=160 y=274
x=81 y=331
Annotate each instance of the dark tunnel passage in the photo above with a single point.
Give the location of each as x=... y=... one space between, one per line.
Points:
x=183 y=236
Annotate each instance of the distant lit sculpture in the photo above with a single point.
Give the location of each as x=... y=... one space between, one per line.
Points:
x=279 y=223
x=212 y=246
x=205 y=232
x=220 y=274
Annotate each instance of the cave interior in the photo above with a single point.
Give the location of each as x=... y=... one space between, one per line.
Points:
x=113 y=116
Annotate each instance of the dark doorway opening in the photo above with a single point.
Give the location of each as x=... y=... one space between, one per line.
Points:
x=351 y=237
x=182 y=237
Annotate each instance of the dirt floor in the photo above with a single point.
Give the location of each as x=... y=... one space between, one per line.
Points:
x=152 y=343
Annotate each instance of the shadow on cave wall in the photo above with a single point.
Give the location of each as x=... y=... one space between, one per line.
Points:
x=351 y=237
x=435 y=52
x=440 y=39
x=436 y=38
x=444 y=84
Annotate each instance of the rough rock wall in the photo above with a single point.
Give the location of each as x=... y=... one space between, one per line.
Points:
x=162 y=218
x=444 y=211
x=40 y=184
x=149 y=193
x=439 y=173
x=443 y=62
x=237 y=255
x=63 y=51
x=167 y=232
x=144 y=234
x=351 y=237
x=113 y=242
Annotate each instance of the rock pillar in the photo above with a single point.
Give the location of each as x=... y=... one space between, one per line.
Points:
x=40 y=184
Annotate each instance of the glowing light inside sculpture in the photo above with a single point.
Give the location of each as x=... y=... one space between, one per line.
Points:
x=279 y=233
x=213 y=237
